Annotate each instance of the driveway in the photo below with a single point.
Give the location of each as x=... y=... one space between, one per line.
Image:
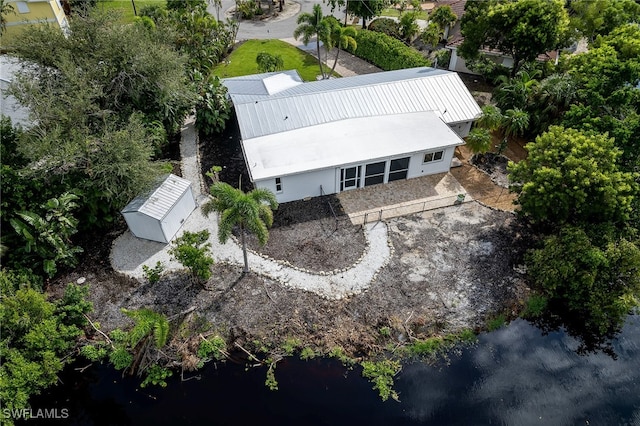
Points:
x=279 y=27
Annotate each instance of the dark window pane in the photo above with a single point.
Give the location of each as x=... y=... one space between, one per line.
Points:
x=350 y=173
x=350 y=183
x=375 y=168
x=373 y=180
x=428 y=157
x=437 y=155
x=399 y=164
x=397 y=175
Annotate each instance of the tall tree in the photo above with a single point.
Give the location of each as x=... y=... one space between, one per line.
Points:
x=444 y=17
x=599 y=17
x=572 y=177
x=365 y=9
x=522 y=29
x=340 y=37
x=251 y=212
x=310 y=25
x=590 y=274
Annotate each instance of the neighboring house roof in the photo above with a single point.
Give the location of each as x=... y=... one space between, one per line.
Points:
x=347 y=141
x=161 y=199
x=9 y=106
x=370 y=95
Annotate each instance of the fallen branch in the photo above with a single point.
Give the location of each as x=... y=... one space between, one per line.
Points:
x=99 y=331
x=187 y=311
x=267 y=292
x=222 y=351
x=251 y=356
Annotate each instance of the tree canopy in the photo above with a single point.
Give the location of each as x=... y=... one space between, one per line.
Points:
x=310 y=25
x=522 y=29
x=571 y=176
x=592 y=18
x=251 y=211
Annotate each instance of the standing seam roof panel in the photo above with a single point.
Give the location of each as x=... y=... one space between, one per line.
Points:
x=438 y=92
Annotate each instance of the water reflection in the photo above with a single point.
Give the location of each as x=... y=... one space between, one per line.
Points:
x=518 y=376
x=514 y=376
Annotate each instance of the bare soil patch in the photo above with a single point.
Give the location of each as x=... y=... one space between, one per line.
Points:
x=452 y=268
x=307 y=235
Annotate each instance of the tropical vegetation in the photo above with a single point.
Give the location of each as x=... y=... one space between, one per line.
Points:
x=250 y=212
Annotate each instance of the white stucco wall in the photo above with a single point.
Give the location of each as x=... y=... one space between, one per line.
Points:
x=458 y=64
x=418 y=168
x=462 y=128
x=302 y=185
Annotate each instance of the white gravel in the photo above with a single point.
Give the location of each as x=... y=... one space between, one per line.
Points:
x=130 y=253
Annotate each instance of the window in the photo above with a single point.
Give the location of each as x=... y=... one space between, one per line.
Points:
x=398 y=169
x=374 y=173
x=433 y=156
x=22 y=7
x=278 y=185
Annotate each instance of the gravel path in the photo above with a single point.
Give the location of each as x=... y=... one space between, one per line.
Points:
x=129 y=253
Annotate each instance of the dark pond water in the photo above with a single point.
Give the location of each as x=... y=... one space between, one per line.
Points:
x=513 y=376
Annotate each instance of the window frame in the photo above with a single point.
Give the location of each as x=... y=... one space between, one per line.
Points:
x=22 y=7
x=278 y=185
x=433 y=155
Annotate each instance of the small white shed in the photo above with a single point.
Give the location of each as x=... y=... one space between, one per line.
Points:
x=159 y=214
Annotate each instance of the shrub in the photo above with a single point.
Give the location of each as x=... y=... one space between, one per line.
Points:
x=386 y=26
x=386 y=52
x=212 y=347
x=192 y=251
x=535 y=306
x=496 y=322
x=381 y=374
x=153 y=274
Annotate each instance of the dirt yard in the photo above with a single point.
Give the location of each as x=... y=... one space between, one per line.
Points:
x=451 y=269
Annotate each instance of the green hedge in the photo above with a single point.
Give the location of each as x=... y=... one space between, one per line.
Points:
x=386 y=52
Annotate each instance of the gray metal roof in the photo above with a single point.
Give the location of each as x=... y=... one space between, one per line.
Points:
x=159 y=201
x=326 y=101
x=249 y=88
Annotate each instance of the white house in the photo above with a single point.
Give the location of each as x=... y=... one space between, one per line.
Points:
x=159 y=214
x=307 y=139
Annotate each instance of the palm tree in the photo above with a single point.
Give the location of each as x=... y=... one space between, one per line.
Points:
x=251 y=211
x=516 y=122
x=445 y=18
x=312 y=24
x=340 y=37
x=515 y=92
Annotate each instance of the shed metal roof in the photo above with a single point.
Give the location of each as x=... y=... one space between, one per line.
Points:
x=343 y=142
x=370 y=95
x=159 y=201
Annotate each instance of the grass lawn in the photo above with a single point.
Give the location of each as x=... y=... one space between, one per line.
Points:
x=126 y=6
x=242 y=60
x=395 y=13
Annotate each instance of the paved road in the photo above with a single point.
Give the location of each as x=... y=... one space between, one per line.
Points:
x=278 y=28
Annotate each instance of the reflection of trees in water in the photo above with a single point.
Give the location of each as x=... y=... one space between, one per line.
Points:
x=584 y=330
